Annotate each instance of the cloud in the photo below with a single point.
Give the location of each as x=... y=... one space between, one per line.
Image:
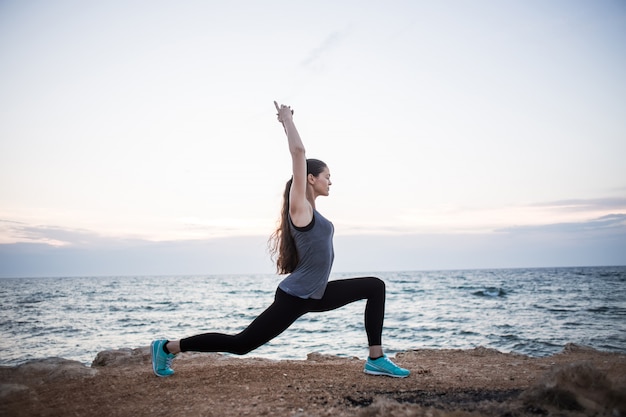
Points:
x=19 y=232
x=41 y=250
x=607 y=204
x=609 y=223
x=119 y=257
x=14 y=231
x=56 y=236
x=595 y=242
x=38 y=250
x=316 y=54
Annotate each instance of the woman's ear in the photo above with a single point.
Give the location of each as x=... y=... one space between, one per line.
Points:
x=311 y=179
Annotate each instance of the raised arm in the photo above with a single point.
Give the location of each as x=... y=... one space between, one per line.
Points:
x=300 y=209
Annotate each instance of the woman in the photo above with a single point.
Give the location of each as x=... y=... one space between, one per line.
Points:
x=304 y=249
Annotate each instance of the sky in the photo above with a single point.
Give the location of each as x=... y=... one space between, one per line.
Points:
x=140 y=137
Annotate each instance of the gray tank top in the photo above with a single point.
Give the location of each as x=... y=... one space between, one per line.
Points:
x=315 y=258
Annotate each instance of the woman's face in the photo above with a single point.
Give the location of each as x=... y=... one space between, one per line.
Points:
x=321 y=184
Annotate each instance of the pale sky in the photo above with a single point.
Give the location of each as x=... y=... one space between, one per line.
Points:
x=449 y=128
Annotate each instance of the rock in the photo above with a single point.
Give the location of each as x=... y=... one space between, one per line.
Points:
x=484 y=351
x=7 y=390
x=50 y=369
x=578 y=387
x=443 y=383
x=574 y=348
x=320 y=357
x=122 y=357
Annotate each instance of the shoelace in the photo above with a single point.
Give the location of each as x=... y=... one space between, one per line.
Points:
x=387 y=364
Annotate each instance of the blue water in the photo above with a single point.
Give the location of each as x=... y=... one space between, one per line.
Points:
x=529 y=311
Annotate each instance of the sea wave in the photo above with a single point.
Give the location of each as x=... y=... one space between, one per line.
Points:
x=529 y=311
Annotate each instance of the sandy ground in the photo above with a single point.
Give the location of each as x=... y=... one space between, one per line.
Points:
x=577 y=382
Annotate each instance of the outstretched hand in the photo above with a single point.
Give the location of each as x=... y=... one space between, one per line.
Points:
x=284 y=112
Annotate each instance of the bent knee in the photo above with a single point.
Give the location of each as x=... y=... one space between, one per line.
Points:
x=377 y=283
x=241 y=351
x=243 y=345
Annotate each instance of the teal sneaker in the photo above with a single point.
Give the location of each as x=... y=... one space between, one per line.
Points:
x=384 y=366
x=161 y=361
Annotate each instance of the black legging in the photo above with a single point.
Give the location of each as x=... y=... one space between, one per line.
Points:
x=286 y=309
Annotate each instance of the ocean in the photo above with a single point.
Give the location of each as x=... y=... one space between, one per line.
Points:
x=535 y=312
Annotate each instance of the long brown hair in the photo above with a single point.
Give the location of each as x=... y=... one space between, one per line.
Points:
x=281 y=245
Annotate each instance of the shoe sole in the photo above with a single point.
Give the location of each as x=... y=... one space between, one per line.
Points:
x=367 y=371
